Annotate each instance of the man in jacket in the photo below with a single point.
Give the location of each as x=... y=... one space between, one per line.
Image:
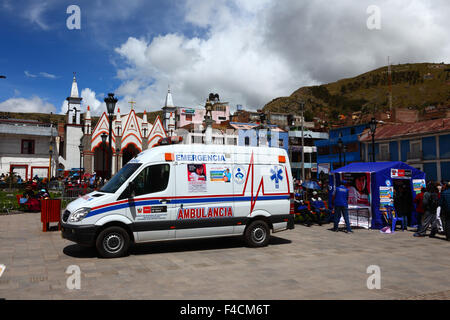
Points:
x=430 y=204
x=340 y=201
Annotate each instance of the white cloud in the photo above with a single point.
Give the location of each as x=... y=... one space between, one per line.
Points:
x=254 y=51
x=34 y=14
x=47 y=75
x=232 y=60
x=89 y=99
x=29 y=75
x=34 y=104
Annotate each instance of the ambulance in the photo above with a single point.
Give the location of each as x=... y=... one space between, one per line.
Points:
x=180 y=191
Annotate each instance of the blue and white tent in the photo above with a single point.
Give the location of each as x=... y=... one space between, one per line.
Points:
x=381 y=175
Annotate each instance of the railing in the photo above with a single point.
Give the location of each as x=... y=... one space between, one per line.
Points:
x=70 y=194
x=415 y=155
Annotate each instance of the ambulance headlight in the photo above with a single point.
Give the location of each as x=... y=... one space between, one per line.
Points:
x=79 y=214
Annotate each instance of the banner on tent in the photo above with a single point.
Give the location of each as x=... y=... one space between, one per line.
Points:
x=358 y=185
x=358 y=217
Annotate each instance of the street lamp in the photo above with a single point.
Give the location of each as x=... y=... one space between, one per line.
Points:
x=50 y=152
x=104 y=136
x=81 y=151
x=110 y=106
x=373 y=128
x=302 y=109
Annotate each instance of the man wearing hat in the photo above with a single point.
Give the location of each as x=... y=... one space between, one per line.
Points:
x=340 y=202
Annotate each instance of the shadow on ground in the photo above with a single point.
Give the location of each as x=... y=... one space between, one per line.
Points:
x=77 y=251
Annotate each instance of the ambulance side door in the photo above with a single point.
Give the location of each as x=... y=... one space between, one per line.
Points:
x=151 y=208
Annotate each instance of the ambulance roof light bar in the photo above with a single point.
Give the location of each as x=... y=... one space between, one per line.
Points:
x=169 y=140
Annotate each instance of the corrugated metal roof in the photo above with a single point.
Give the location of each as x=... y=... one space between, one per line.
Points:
x=388 y=131
x=23 y=129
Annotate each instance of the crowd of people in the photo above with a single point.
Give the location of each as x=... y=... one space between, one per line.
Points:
x=432 y=205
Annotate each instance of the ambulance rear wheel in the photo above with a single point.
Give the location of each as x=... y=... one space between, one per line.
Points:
x=257 y=234
x=113 y=242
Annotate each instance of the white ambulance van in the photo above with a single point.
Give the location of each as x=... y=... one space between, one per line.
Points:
x=180 y=191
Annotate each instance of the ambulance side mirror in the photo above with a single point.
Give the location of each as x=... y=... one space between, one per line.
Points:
x=129 y=192
x=131 y=189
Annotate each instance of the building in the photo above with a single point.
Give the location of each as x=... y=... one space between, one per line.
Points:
x=331 y=157
x=182 y=117
x=254 y=134
x=131 y=135
x=73 y=132
x=423 y=145
x=309 y=154
x=26 y=148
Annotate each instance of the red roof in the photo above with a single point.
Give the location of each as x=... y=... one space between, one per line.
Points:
x=388 y=131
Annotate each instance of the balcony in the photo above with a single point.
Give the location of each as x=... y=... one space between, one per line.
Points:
x=383 y=157
x=415 y=155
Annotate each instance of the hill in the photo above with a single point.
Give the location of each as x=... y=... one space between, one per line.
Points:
x=414 y=86
x=60 y=118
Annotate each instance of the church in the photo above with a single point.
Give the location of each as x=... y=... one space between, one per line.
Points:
x=131 y=135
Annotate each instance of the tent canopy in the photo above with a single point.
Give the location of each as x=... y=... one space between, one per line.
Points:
x=373 y=167
x=380 y=174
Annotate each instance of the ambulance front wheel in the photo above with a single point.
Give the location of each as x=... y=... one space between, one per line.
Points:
x=257 y=234
x=113 y=242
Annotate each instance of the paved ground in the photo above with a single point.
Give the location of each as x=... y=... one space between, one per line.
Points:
x=305 y=263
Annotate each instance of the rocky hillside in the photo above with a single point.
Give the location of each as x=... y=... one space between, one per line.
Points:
x=414 y=86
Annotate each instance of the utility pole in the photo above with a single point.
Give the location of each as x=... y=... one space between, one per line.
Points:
x=302 y=107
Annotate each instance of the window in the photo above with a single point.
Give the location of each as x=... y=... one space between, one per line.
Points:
x=384 y=149
x=120 y=177
x=281 y=143
x=152 y=179
x=27 y=147
x=323 y=150
x=247 y=141
x=189 y=117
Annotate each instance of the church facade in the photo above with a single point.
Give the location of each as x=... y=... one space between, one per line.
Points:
x=131 y=135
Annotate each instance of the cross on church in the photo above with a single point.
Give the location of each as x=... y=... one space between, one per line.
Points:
x=132 y=103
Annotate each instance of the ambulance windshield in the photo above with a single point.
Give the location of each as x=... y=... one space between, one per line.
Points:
x=120 y=177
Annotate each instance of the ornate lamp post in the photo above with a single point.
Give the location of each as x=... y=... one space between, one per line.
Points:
x=373 y=128
x=104 y=136
x=110 y=106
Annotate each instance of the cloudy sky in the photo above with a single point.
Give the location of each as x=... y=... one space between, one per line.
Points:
x=248 y=51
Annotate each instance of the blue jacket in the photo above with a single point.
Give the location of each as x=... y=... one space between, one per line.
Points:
x=341 y=197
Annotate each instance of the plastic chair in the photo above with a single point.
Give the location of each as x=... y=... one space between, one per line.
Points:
x=395 y=219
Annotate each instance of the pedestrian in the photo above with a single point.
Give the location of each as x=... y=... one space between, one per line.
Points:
x=430 y=205
x=418 y=200
x=444 y=203
x=340 y=203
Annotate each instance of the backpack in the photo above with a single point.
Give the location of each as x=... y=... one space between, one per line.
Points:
x=433 y=202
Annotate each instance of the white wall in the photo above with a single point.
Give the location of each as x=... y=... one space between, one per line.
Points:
x=73 y=138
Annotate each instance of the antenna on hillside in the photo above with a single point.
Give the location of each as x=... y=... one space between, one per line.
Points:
x=390 y=85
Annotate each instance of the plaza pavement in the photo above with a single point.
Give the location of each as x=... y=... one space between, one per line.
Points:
x=304 y=263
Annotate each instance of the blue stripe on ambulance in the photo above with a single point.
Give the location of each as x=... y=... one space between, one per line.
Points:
x=181 y=201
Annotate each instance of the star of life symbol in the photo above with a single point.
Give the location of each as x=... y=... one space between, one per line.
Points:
x=276 y=176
